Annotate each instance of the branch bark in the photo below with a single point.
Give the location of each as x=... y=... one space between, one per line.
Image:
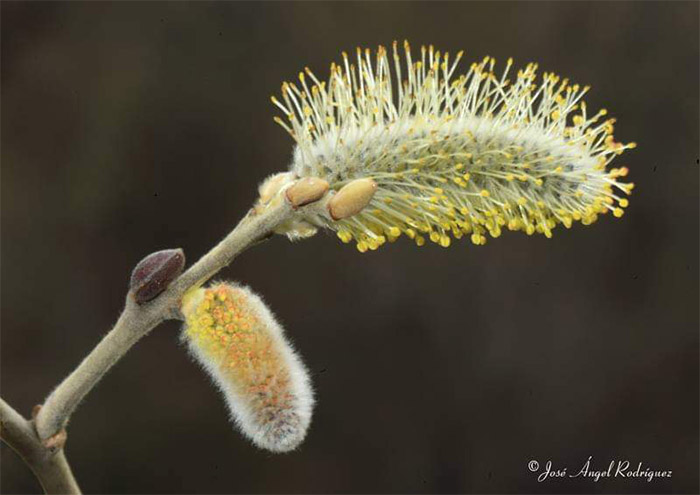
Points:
x=40 y=442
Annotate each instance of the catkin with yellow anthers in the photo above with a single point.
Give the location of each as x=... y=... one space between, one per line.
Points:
x=452 y=154
x=237 y=340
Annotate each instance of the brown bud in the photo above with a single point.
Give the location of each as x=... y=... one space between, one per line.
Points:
x=155 y=272
x=351 y=198
x=305 y=191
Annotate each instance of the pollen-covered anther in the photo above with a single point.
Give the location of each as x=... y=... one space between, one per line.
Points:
x=352 y=198
x=306 y=191
x=235 y=338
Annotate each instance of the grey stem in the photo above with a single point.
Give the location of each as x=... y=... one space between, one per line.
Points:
x=138 y=320
x=50 y=467
x=36 y=442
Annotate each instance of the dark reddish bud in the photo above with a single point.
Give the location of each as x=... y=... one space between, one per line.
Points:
x=155 y=272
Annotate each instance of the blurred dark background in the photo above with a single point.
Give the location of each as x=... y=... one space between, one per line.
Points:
x=133 y=127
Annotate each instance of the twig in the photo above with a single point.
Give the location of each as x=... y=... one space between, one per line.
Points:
x=48 y=463
x=137 y=320
x=40 y=443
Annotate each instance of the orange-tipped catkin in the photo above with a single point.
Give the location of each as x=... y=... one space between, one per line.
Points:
x=237 y=340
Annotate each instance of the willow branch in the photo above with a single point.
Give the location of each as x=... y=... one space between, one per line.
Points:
x=47 y=462
x=137 y=320
x=155 y=295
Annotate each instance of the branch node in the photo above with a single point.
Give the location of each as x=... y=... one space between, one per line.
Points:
x=56 y=442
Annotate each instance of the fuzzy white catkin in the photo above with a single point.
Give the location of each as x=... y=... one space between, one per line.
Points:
x=236 y=339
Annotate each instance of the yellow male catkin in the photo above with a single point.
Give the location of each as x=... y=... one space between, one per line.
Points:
x=451 y=154
x=236 y=339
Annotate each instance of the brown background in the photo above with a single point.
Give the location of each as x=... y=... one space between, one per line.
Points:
x=132 y=127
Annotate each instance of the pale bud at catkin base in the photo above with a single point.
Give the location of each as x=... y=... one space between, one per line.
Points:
x=306 y=191
x=352 y=198
x=236 y=339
